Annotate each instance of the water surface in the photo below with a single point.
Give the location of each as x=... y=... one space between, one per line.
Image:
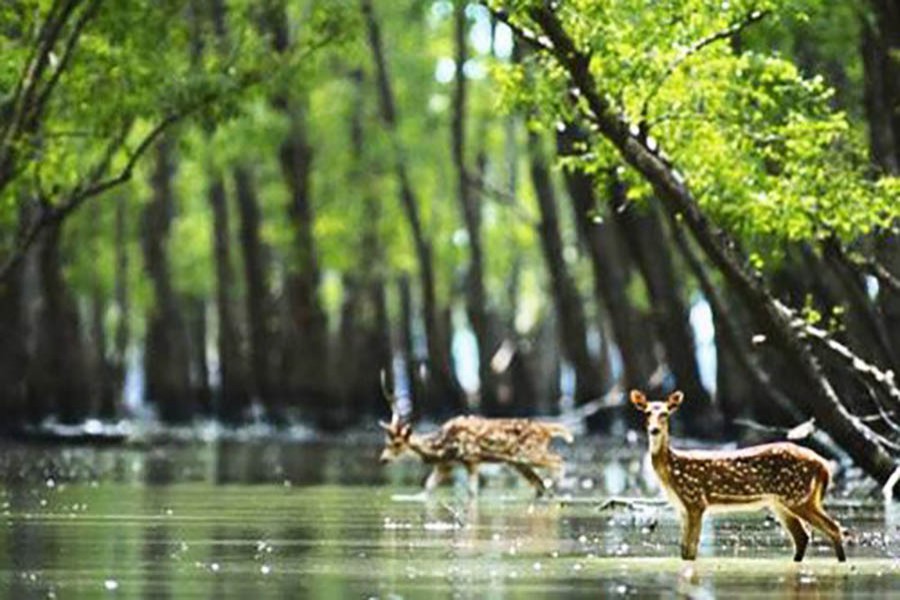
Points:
x=258 y=520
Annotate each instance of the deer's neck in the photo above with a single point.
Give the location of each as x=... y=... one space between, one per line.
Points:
x=425 y=447
x=662 y=458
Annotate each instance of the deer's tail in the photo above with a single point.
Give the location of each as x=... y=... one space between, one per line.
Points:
x=557 y=430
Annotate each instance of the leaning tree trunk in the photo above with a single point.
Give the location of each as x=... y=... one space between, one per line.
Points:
x=743 y=386
x=821 y=400
x=566 y=299
x=166 y=358
x=445 y=393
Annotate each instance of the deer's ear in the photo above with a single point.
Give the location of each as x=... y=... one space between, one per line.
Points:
x=674 y=400
x=406 y=431
x=385 y=426
x=638 y=399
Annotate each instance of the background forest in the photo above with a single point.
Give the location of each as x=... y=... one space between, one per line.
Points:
x=247 y=210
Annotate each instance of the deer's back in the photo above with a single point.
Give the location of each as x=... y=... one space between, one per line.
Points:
x=781 y=470
x=494 y=440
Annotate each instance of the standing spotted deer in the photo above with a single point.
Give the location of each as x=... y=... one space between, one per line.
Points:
x=469 y=441
x=786 y=478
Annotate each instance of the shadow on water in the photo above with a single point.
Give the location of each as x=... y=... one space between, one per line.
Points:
x=257 y=519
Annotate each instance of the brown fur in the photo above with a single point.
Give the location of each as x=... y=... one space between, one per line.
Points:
x=786 y=478
x=470 y=441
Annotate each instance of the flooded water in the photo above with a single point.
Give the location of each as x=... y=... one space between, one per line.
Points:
x=259 y=520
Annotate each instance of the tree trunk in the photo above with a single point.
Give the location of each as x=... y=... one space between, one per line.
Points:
x=610 y=266
x=13 y=358
x=258 y=302
x=166 y=358
x=62 y=377
x=670 y=315
x=198 y=342
x=232 y=393
x=476 y=299
x=307 y=345
x=446 y=394
x=881 y=62
x=408 y=348
x=821 y=400
x=123 y=307
x=743 y=387
x=880 y=43
x=566 y=299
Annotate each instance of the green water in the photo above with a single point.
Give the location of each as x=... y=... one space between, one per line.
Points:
x=252 y=520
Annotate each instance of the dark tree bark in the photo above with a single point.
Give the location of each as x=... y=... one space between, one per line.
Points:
x=880 y=42
x=232 y=399
x=476 y=299
x=122 y=335
x=13 y=358
x=610 y=266
x=670 y=314
x=198 y=340
x=566 y=300
x=60 y=378
x=232 y=396
x=257 y=298
x=307 y=344
x=881 y=62
x=372 y=336
x=407 y=345
x=743 y=385
x=445 y=393
x=102 y=378
x=775 y=320
x=166 y=358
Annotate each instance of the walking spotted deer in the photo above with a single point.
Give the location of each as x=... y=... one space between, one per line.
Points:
x=469 y=441
x=786 y=478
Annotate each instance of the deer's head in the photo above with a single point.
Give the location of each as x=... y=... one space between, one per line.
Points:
x=398 y=430
x=657 y=414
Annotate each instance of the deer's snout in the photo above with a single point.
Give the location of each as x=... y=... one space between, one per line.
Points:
x=654 y=430
x=385 y=457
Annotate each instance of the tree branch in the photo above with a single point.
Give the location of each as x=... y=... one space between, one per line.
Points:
x=71 y=43
x=526 y=35
x=753 y=17
x=29 y=81
x=884 y=379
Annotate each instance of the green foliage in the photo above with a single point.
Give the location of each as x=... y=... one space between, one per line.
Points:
x=760 y=143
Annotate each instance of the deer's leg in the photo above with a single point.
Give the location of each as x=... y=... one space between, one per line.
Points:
x=796 y=528
x=439 y=474
x=472 y=469
x=819 y=519
x=691 y=525
x=533 y=478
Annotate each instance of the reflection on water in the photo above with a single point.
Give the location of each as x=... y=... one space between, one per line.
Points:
x=257 y=520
